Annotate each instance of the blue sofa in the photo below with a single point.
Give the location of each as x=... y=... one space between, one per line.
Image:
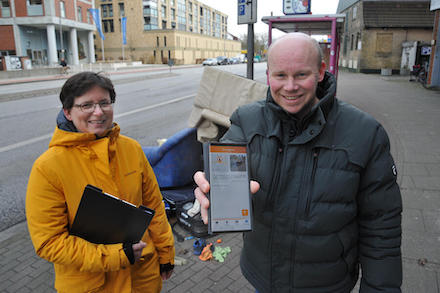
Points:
x=176 y=160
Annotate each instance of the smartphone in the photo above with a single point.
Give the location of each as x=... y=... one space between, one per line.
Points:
x=227 y=170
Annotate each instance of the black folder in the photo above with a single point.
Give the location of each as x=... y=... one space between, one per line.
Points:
x=102 y=218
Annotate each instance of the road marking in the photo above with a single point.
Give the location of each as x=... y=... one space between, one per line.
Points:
x=49 y=135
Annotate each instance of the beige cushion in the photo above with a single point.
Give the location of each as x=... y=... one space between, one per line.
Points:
x=219 y=94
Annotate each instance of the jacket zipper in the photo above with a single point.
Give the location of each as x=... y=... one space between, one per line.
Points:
x=310 y=190
x=277 y=181
x=269 y=199
x=298 y=210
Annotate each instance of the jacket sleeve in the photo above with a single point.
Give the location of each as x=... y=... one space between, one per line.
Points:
x=159 y=229
x=380 y=208
x=47 y=219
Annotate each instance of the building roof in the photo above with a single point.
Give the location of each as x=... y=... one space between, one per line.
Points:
x=344 y=4
x=315 y=24
x=397 y=14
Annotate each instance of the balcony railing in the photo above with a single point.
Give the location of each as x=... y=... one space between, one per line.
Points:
x=34 y=10
x=6 y=12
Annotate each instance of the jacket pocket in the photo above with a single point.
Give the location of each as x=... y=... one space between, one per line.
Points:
x=309 y=195
x=73 y=281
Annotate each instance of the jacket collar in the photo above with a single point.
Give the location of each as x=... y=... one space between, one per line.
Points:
x=66 y=133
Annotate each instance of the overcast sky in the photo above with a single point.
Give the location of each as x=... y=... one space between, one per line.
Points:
x=264 y=8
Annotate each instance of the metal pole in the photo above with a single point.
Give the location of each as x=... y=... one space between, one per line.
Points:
x=250 y=52
x=122 y=37
x=102 y=49
x=61 y=39
x=333 y=48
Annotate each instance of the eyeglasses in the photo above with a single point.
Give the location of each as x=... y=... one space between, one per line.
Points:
x=90 y=107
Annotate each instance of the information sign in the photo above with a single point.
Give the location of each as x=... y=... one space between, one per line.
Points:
x=247 y=11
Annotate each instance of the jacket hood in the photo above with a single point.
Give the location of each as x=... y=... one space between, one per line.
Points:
x=65 y=124
x=325 y=92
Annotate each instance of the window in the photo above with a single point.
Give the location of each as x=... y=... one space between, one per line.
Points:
x=6 y=9
x=164 y=41
x=62 y=9
x=79 y=14
x=354 y=12
x=172 y=2
x=121 y=9
x=107 y=10
x=358 y=41
x=108 y=25
x=148 y=10
x=352 y=43
x=150 y=23
x=173 y=14
x=163 y=11
x=89 y=18
x=164 y=24
x=181 y=15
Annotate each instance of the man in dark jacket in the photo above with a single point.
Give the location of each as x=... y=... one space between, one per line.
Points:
x=325 y=201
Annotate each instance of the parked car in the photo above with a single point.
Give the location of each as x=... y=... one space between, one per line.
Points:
x=222 y=60
x=234 y=60
x=210 y=62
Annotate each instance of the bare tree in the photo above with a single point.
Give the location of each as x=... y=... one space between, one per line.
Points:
x=260 y=43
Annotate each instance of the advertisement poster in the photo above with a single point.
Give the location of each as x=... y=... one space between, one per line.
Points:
x=296 y=7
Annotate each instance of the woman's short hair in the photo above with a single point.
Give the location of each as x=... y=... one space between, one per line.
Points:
x=81 y=83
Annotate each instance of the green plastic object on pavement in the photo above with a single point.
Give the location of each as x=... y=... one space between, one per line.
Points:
x=220 y=253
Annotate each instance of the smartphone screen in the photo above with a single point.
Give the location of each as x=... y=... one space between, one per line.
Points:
x=226 y=168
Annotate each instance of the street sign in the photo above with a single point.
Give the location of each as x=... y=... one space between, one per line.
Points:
x=247 y=11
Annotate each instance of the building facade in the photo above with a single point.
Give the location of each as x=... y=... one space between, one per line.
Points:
x=47 y=30
x=384 y=34
x=434 y=62
x=186 y=31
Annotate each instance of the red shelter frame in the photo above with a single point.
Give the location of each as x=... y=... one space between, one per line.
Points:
x=331 y=24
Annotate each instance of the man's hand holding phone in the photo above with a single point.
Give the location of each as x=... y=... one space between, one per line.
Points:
x=203 y=188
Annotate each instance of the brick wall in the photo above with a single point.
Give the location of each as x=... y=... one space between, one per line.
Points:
x=7 y=37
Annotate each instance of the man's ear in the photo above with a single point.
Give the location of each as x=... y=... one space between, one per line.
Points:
x=322 y=71
x=67 y=114
x=267 y=76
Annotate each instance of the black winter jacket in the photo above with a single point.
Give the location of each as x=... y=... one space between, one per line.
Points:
x=328 y=200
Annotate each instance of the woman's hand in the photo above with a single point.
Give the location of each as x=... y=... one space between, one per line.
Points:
x=137 y=250
x=203 y=187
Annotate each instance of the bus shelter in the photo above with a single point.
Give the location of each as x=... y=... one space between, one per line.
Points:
x=328 y=24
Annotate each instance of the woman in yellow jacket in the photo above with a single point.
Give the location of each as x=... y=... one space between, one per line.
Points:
x=86 y=148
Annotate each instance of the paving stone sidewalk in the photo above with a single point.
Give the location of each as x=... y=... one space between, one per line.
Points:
x=411 y=116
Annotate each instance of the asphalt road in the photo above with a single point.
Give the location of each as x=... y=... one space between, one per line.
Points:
x=148 y=106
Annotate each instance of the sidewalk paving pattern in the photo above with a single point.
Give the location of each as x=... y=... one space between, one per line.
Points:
x=411 y=116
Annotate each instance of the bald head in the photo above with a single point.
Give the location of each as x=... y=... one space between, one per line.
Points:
x=291 y=39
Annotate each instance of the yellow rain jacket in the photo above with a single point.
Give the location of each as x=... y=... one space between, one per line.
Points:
x=118 y=166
